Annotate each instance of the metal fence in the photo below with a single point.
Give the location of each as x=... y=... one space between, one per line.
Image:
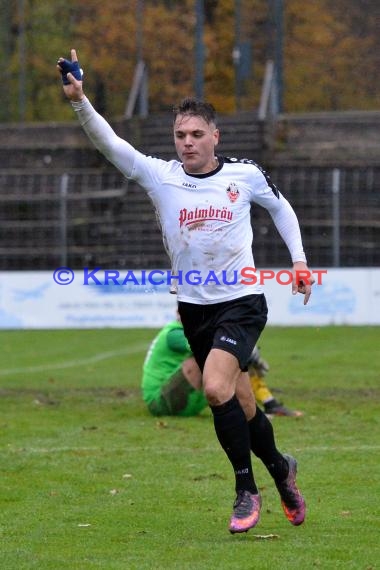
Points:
x=87 y=218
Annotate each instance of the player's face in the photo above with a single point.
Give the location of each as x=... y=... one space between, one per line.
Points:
x=195 y=142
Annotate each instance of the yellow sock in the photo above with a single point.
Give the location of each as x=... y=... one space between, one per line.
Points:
x=260 y=389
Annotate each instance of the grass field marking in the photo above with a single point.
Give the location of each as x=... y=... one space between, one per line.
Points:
x=349 y=448
x=133 y=349
x=170 y=449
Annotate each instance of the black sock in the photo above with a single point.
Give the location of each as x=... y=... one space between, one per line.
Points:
x=231 y=428
x=264 y=447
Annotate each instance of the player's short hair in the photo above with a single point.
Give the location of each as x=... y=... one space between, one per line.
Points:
x=196 y=108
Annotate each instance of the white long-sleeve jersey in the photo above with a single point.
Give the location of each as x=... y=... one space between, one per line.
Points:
x=205 y=218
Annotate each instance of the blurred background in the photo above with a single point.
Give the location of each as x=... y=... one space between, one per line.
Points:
x=327 y=54
x=296 y=87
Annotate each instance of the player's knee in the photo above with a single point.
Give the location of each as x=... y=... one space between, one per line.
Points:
x=216 y=393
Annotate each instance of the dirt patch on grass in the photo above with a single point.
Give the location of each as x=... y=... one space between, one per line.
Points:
x=63 y=393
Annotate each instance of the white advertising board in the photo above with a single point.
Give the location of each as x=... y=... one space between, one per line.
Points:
x=33 y=300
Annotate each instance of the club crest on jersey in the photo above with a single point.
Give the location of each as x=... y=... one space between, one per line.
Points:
x=233 y=192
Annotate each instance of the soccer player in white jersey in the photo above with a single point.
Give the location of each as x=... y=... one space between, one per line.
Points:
x=203 y=202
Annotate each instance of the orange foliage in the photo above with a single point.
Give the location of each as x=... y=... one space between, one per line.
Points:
x=331 y=53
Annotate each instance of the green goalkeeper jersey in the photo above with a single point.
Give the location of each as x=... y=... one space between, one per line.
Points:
x=164 y=357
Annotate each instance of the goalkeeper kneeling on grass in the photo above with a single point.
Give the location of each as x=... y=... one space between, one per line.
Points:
x=172 y=381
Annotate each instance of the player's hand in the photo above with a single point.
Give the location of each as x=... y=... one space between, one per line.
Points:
x=302 y=280
x=71 y=77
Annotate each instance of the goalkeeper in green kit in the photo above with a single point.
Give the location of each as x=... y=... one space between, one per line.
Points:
x=172 y=381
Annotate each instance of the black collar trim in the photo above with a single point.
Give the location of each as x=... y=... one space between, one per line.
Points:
x=207 y=174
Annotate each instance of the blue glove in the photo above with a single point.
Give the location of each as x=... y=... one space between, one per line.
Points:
x=66 y=67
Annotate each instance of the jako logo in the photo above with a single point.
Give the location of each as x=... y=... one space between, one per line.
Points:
x=227 y=339
x=242 y=471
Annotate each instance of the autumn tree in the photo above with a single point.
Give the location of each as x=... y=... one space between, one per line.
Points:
x=43 y=29
x=362 y=77
x=331 y=53
x=325 y=58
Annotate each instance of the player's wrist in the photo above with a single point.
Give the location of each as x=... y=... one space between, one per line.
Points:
x=79 y=104
x=299 y=262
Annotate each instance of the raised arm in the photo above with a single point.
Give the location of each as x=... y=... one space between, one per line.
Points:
x=101 y=134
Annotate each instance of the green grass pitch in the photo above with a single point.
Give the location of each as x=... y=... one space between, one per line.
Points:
x=90 y=481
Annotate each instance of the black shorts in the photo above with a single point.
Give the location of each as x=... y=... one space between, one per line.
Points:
x=233 y=326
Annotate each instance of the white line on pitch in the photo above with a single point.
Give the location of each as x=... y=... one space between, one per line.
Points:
x=134 y=349
x=43 y=450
